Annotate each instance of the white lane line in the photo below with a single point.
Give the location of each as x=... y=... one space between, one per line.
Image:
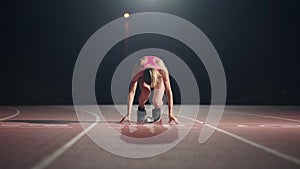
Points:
x=14 y=115
x=266 y=116
x=259 y=146
x=242 y=125
x=10 y=125
x=50 y=125
x=36 y=127
x=49 y=159
x=290 y=126
x=55 y=125
x=269 y=126
x=41 y=127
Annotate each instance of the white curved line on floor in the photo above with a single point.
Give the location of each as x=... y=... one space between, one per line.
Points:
x=14 y=115
x=53 y=156
x=266 y=116
x=259 y=146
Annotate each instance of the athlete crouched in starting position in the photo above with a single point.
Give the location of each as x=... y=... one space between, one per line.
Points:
x=150 y=73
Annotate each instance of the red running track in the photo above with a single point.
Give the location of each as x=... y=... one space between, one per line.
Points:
x=247 y=137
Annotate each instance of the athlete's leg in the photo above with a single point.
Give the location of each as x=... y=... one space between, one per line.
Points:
x=143 y=97
x=157 y=101
x=158 y=95
x=145 y=94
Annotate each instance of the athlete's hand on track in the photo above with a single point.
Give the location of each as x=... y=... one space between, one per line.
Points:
x=125 y=119
x=173 y=118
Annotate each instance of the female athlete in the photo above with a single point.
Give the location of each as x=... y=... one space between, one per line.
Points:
x=150 y=73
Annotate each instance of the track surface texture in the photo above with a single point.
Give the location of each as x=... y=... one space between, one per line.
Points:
x=53 y=137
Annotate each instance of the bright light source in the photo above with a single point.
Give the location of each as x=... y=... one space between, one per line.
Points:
x=126 y=15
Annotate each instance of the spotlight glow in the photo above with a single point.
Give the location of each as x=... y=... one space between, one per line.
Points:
x=126 y=15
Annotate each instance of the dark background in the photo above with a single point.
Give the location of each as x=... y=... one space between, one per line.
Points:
x=258 y=43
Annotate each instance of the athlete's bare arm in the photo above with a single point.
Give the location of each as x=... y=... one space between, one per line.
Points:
x=166 y=80
x=131 y=93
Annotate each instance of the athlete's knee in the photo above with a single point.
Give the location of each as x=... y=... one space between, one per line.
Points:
x=157 y=103
x=145 y=91
x=144 y=95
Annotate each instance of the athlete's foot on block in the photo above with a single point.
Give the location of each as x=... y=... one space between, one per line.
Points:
x=149 y=120
x=158 y=122
x=141 y=116
x=156 y=115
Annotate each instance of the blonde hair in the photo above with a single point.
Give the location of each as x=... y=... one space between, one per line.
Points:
x=152 y=77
